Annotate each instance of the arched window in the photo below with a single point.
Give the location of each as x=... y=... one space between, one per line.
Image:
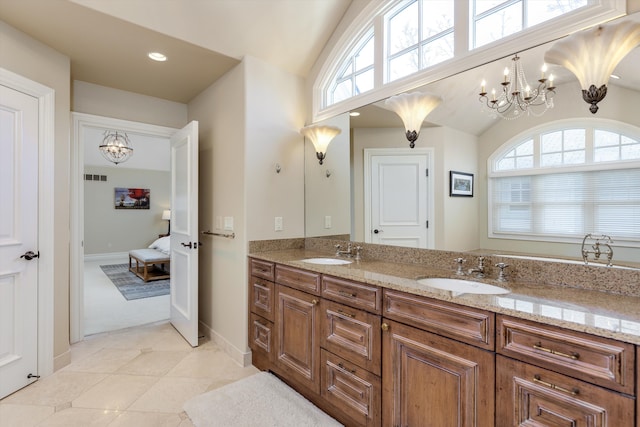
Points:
x=396 y=42
x=567 y=179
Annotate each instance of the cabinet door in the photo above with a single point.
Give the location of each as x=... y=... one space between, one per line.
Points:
x=297 y=331
x=532 y=396
x=431 y=380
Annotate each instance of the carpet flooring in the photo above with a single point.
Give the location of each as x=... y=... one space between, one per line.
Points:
x=259 y=400
x=131 y=286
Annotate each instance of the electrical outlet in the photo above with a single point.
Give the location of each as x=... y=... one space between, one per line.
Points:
x=278 y=224
x=327 y=221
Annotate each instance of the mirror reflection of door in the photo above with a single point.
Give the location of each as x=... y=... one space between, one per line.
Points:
x=397 y=206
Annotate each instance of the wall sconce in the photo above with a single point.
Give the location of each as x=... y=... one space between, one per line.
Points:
x=593 y=54
x=412 y=109
x=320 y=136
x=116 y=147
x=166 y=216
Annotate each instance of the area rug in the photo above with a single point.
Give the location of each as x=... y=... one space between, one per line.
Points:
x=131 y=286
x=259 y=400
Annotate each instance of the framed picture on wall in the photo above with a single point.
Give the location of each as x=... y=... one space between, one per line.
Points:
x=461 y=184
x=132 y=198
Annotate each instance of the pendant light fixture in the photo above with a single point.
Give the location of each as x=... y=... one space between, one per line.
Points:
x=116 y=147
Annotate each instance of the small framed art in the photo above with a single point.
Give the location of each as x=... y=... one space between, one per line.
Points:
x=461 y=184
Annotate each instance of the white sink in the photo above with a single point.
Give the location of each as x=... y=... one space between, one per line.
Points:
x=458 y=286
x=327 y=261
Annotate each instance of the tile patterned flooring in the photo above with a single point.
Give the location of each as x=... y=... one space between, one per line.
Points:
x=137 y=377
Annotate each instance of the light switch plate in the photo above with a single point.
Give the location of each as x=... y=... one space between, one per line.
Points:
x=278 y=226
x=228 y=223
x=327 y=221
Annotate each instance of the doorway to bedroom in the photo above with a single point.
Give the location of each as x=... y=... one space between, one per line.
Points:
x=124 y=205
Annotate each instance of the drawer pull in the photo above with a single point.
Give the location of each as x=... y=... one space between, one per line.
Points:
x=344 y=313
x=314 y=301
x=573 y=356
x=347 y=294
x=574 y=391
x=384 y=327
x=341 y=366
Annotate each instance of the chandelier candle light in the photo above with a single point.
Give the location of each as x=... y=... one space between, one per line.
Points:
x=517 y=96
x=593 y=54
x=320 y=136
x=412 y=108
x=116 y=147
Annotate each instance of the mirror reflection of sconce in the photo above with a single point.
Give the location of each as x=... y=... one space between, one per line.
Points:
x=593 y=54
x=328 y=173
x=412 y=108
x=320 y=136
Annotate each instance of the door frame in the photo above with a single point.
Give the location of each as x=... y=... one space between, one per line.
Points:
x=371 y=152
x=46 y=169
x=81 y=122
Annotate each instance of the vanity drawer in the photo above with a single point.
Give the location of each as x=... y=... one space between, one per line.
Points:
x=532 y=396
x=261 y=297
x=303 y=280
x=355 y=294
x=352 y=334
x=600 y=361
x=261 y=336
x=263 y=269
x=351 y=390
x=469 y=325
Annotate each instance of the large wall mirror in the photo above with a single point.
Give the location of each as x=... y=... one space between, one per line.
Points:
x=459 y=135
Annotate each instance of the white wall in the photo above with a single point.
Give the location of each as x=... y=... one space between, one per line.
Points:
x=454 y=217
x=620 y=104
x=249 y=120
x=107 y=229
x=38 y=62
x=329 y=196
x=119 y=104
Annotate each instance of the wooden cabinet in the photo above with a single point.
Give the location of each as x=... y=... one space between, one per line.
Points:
x=556 y=377
x=429 y=377
x=297 y=351
x=532 y=396
x=261 y=312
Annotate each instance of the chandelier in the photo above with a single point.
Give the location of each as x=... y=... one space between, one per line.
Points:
x=116 y=147
x=517 y=97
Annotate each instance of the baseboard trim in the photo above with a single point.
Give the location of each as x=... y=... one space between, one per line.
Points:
x=62 y=360
x=240 y=357
x=107 y=257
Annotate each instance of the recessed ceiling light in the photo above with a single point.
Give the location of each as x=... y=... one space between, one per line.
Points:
x=157 y=56
x=615 y=76
x=354 y=114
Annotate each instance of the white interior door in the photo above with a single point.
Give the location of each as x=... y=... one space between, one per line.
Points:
x=184 y=232
x=18 y=237
x=398 y=204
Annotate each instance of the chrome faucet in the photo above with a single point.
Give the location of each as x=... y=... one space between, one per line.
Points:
x=348 y=253
x=479 y=270
x=460 y=270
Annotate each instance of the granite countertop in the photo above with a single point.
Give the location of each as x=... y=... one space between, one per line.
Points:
x=603 y=314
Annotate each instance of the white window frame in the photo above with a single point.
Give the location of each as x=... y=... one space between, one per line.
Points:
x=590 y=125
x=464 y=58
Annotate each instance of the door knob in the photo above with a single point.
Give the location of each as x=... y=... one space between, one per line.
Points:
x=376 y=231
x=187 y=245
x=29 y=255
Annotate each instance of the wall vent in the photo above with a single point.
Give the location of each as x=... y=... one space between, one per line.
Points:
x=90 y=177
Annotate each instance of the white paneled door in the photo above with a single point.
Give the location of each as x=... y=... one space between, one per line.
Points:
x=397 y=208
x=18 y=240
x=184 y=232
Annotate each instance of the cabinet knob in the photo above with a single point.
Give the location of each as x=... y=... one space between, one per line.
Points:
x=384 y=327
x=314 y=301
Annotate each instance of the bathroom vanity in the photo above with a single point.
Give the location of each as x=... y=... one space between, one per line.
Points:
x=371 y=345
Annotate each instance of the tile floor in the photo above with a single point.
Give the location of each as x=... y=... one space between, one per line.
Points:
x=137 y=377
x=105 y=309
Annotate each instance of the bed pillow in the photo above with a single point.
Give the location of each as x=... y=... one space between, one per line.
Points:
x=162 y=244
